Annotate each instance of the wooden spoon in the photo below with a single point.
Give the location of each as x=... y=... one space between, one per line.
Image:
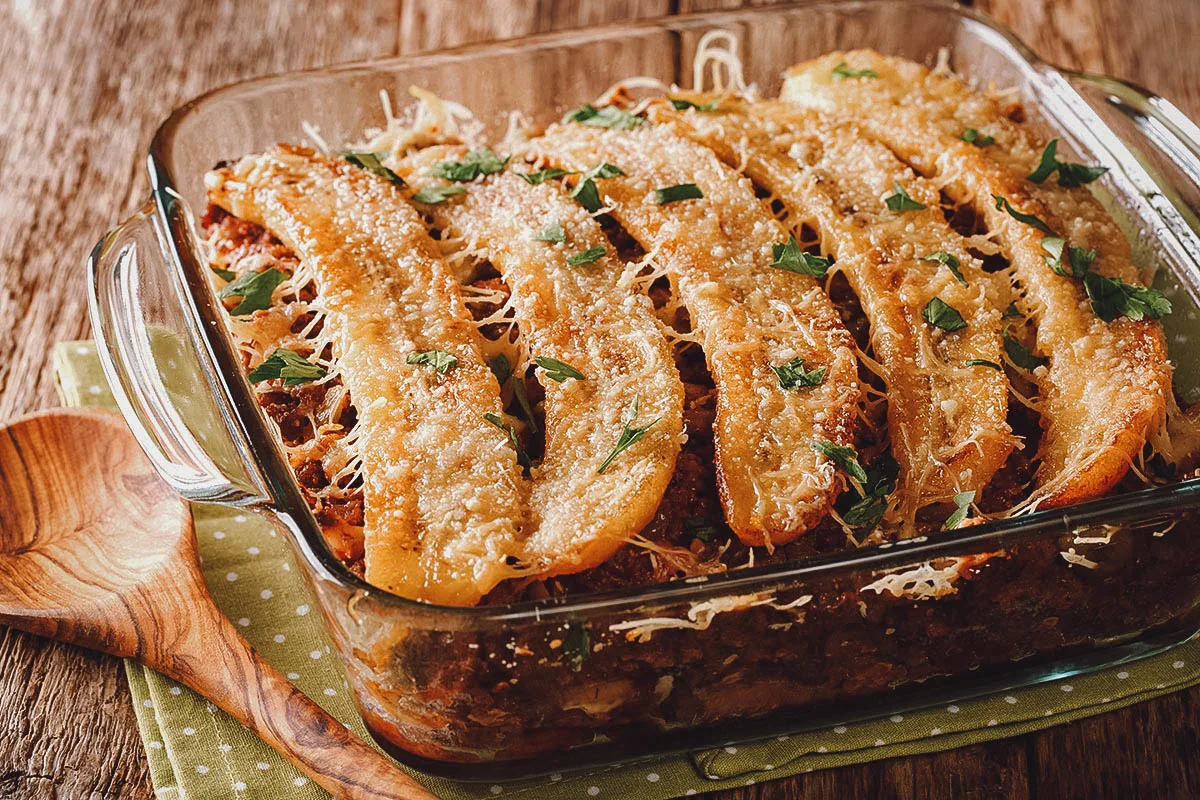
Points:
x=96 y=550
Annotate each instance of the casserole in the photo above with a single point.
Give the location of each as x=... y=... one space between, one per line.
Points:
x=501 y=690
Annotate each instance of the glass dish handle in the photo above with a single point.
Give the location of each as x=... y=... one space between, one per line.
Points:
x=153 y=368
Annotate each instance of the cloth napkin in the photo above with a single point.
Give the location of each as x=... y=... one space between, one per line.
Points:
x=195 y=750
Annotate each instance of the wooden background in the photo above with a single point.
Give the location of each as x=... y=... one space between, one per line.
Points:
x=82 y=87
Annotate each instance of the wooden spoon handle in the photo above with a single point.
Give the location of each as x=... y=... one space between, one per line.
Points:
x=221 y=666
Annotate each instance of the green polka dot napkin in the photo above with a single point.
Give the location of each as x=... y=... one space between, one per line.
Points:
x=195 y=750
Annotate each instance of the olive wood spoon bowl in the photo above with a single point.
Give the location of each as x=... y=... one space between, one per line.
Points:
x=97 y=551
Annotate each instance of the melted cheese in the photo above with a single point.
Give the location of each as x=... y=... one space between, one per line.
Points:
x=583 y=316
x=749 y=317
x=1105 y=389
x=827 y=175
x=442 y=487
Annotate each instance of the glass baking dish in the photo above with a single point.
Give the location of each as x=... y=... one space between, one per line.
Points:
x=510 y=690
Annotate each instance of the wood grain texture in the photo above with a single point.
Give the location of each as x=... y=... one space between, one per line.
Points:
x=95 y=79
x=96 y=550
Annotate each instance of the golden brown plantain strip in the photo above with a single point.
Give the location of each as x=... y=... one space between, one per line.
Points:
x=1104 y=391
x=827 y=175
x=717 y=249
x=583 y=316
x=442 y=486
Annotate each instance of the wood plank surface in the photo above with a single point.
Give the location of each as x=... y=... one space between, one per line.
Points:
x=82 y=86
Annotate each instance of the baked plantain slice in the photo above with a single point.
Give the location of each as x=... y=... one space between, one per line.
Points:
x=1105 y=388
x=442 y=486
x=947 y=395
x=700 y=222
x=584 y=316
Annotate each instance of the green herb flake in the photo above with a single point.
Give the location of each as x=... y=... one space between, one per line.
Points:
x=605 y=170
x=971 y=136
x=226 y=275
x=587 y=256
x=1112 y=298
x=295 y=369
x=551 y=233
x=440 y=360
x=480 y=161
x=432 y=195
x=683 y=105
x=942 y=315
x=587 y=195
x=845 y=458
x=577 y=646
x=606 y=117
x=1018 y=353
x=373 y=162
x=542 y=175
x=1069 y=174
x=1002 y=204
x=522 y=398
x=789 y=257
x=900 y=200
x=869 y=509
x=793 y=375
x=700 y=528
x=254 y=289
x=629 y=436
x=962 y=502
x=843 y=71
x=502 y=368
x=680 y=191
x=506 y=426
x=983 y=362
x=1012 y=312
x=558 y=371
x=950 y=262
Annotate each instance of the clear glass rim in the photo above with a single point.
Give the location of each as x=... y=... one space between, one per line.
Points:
x=288 y=505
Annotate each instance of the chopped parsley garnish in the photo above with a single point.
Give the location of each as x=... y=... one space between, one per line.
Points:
x=1018 y=353
x=1112 y=297
x=1069 y=174
x=630 y=435
x=971 y=136
x=1078 y=261
x=508 y=428
x=255 y=289
x=789 y=257
x=480 y=161
x=551 y=233
x=587 y=256
x=941 y=314
x=556 y=370
x=1002 y=204
x=295 y=369
x=606 y=117
x=680 y=191
x=844 y=457
x=700 y=528
x=683 y=105
x=1012 y=312
x=870 y=507
x=501 y=367
x=843 y=70
x=983 y=362
x=373 y=163
x=900 y=200
x=588 y=196
x=577 y=646
x=950 y=262
x=962 y=501
x=793 y=375
x=440 y=360
x=431 y=195
x=226 y=275
x=542 y=175
x=605 y=170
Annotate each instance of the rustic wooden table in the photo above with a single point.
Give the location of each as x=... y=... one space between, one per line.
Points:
x=82 y=86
